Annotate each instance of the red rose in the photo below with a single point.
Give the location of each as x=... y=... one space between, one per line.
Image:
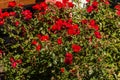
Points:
x=38 y=47
x=69 y=21
x=90 y=9
x=20 y=5
x=59 y=4
x=5 y=14
x=68 y=58
x=44 y=38
x=12 y=13
x=73 y=30
x=14 y=64
x=84 y=21
x=34 y=42
x=12 y=4
x=59 y=40
x=95 y=4
x=67 y=24
x=92 y=22
x=117 y=7
x=1 y=22
x=76 y=48
x=36 y=7
x=97 y=34
x=93 y=25
x=96 y=27
x=27 y=14
x=1 y=17
x=12 y=59
x=65 y=1
x=17 y=23
x=62 y=70
x=118 y=12
x=43 y=6
x=58 y=25
x=54 y=28
x=70 y=4
x=107 y=2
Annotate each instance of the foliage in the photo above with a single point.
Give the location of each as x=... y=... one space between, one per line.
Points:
x=61 y=41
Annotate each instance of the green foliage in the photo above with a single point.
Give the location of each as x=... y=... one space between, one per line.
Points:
x=68 y=43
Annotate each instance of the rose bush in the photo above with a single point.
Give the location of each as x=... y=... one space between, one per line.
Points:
x=61 y=41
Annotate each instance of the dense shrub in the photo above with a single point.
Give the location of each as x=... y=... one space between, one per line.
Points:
x=61 y=41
